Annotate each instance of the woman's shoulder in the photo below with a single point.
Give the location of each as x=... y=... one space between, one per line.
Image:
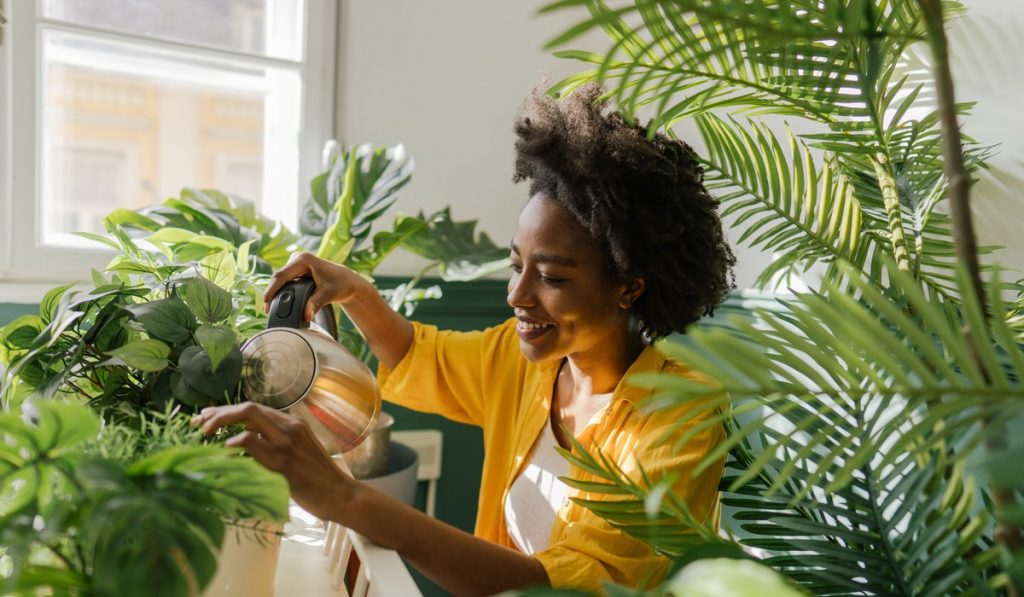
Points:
x=666 y=390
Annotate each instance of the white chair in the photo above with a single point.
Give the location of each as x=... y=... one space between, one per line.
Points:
x=361 y=569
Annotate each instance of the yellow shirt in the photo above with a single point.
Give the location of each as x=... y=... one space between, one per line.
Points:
x=481 y=378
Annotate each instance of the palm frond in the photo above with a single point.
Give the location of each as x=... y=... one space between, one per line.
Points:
x=802 y=209
x=643 y=507
x=890 y=531
x=830 y=61
x=829 y=351
x=854 y=423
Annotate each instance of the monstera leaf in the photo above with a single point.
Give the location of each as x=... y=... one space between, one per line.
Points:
x=461 y=252
x=358 y=186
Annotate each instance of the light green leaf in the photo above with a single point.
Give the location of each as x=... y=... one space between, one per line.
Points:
x=146 y=355
x=172 y=236
x=217 y=341
x=220 y=268
x=209 y=302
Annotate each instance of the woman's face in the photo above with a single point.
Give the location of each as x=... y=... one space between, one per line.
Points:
x=564 y=299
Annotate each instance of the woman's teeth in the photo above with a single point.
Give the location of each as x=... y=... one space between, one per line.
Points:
x=531 y=326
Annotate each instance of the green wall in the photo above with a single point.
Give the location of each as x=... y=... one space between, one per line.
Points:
x=9 y=311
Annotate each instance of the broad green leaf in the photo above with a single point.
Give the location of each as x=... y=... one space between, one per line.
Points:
x=125 y=217
x=61 y=427
x=220 y=268
x=239 y=486
x=210 y=303
x=99 y=238
x=217 y=341
x=51 y=301
x=216 y=387
x=19 y=491
x=462 y=253
x=146 y=355
x=165 y=319
x=172 y=236
x=22 y=331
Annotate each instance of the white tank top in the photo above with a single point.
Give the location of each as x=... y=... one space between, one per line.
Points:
x=536 y=495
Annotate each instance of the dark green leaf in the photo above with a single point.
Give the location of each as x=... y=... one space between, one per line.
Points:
x=166 y=319
x=461 y=253
x=217 y=387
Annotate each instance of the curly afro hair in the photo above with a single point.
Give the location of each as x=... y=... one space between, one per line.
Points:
x=643 y=200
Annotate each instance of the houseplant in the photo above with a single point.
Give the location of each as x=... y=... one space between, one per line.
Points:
x=114 y=509
x=158 y=334
x=864 y=425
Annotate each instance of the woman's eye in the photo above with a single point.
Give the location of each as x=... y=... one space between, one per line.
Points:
x=517 y=268
x=552 y=281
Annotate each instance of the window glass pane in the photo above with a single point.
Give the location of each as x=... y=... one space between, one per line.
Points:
x=262 y=27
x=126 y=126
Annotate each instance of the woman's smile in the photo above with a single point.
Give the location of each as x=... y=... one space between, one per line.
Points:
x=529 y=331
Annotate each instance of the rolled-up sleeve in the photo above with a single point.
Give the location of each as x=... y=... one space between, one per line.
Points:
x=441 y=374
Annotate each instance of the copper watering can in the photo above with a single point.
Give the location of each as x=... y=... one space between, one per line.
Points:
x=293 y=367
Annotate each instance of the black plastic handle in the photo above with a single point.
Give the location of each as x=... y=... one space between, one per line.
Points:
x=289 y=304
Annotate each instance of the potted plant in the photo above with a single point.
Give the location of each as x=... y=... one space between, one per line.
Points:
x=868 y=449
x=155 y=339
x=111 y=509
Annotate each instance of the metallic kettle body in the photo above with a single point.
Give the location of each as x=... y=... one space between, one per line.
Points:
x=292 y=367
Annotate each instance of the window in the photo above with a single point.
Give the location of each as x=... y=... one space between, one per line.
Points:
x=118 y=103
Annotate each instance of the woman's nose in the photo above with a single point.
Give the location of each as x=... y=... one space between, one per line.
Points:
x=519 y=294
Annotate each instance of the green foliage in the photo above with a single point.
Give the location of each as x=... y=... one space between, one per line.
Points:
x=356 y=189
x=119 y=512
x=860 y=412
x=142 y=506
x=871 y=195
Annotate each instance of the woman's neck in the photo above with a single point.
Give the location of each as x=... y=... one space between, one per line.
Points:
x=598 y=372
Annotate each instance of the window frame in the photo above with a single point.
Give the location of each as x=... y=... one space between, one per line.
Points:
x=28 y=267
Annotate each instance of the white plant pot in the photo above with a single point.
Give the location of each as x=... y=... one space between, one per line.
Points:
x=248 y=561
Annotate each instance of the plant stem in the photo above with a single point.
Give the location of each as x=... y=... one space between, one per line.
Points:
x=965 y=243
x=891 y=197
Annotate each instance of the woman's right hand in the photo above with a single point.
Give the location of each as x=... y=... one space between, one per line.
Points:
x=334 y=283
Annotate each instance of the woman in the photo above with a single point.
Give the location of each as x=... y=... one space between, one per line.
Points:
x=619 y=244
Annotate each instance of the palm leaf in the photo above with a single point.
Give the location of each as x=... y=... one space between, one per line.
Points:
x=807 y=210
x=845 y=411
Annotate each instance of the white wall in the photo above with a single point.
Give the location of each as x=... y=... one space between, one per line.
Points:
x=446 y=77
x=987 y=55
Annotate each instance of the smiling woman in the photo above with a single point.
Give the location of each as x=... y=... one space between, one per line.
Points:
x=619 y=245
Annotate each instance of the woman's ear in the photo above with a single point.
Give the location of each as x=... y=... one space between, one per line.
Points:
x=634 y=288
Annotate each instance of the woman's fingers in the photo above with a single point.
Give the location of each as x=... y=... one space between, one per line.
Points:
x=257 y=447
x=299 y=265
x=256 y=417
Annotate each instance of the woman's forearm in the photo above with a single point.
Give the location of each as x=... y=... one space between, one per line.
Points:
x=457 y=561
x=388 y=334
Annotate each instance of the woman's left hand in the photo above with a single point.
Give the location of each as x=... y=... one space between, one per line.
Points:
x=285 y=444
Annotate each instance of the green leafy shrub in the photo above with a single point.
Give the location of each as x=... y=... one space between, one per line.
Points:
x=122 y=495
